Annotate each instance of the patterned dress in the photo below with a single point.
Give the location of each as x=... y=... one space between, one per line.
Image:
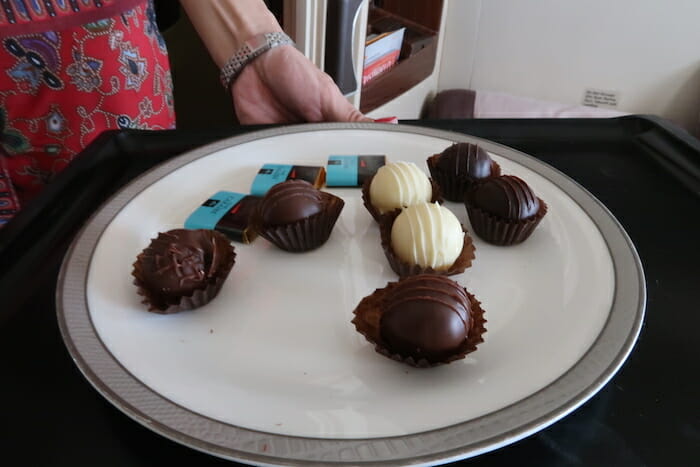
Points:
x=70 y=69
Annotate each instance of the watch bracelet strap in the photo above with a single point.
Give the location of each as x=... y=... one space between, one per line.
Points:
x=251 y=49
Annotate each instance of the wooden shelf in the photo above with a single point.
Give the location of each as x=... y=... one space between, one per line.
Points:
x=420 y=16
x=427 y=13
x=396 y=81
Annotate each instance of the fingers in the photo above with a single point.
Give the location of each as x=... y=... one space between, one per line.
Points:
x=283 y=86
x=254 y=103
x=346 y=112
x=358 y=116
x=336 y=108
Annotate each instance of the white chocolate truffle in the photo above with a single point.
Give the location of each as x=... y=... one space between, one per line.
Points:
x=428 y=235
x=399 y=185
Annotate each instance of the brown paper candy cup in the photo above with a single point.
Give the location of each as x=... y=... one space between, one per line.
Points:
x=454 y=188
x=306 y=234
x=367 y=320
x=157 y=303
x=498 y=231
x=367 y=201
x=405 y=269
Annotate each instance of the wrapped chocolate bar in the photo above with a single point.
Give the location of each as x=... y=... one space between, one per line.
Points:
x=352 y=171
x=270 y=175
x=227 y=212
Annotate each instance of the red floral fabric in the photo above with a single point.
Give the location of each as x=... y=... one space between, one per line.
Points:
x=61 y=86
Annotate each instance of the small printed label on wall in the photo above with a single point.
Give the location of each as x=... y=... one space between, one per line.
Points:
x=601 y=98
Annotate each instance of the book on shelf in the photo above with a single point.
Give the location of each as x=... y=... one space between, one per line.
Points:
x=381 y=53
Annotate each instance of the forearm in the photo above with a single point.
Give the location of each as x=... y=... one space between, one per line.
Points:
x=224 y=25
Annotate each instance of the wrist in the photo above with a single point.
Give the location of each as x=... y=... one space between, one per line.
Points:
x=225 y=25
x=252 y=18
x=252 y=48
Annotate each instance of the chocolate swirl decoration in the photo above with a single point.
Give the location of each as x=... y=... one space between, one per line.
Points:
x=182 y=269
x=289 y=202
x=426 y=317
x=465 y=160
x=507 y=197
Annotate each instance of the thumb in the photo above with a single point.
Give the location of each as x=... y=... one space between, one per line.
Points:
x=339 y=109
x=357 y=116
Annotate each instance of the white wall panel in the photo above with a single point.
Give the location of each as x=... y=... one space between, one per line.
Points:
x=648 y=51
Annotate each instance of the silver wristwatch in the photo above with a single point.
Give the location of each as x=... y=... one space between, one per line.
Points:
x=252 y=48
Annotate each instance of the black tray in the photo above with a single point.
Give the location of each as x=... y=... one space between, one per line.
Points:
x=645 y=170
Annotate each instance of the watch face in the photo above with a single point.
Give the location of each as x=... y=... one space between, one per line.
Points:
x=257 y=44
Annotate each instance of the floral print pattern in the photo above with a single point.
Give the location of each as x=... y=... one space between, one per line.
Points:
x=60 y=88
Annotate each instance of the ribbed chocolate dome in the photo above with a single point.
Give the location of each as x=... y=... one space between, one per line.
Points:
x=465 y=160
x=508 y=197
x=426 y=316
x=289 y=202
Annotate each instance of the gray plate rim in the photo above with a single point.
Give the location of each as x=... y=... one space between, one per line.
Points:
x=467 y=439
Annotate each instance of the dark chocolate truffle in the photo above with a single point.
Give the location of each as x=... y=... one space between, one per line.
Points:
x=465 y=160
x=425 y=317
x=178 y=264
x=504 y=210
x=289 y=202
x=459 y=167
x=507 y=197
x=422 y=321
x=296 y=217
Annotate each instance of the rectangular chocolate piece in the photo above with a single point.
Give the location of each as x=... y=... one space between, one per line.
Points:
x=270 y=175
x=227 y=212
x=352 y=171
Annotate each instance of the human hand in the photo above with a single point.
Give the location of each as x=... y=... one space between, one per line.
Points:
x=283 y=86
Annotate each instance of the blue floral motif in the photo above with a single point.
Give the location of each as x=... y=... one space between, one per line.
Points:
x=55 y=122
x=133 y=67
x=37 y=61
x=124 y=122
x=12 y=140
x=51 y=36
x=36 y=6
x=22 y=8
x=101 y=26
x=25 y=71
x=152 y=25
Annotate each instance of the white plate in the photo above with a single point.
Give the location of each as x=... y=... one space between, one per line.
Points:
x=272 y=371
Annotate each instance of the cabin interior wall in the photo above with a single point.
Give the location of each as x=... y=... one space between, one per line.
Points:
x=645 y=51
